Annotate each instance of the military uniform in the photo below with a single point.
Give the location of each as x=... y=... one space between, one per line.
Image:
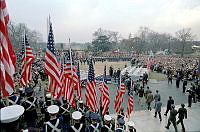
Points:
x=131 y=126
x=65 y=112
x=30 y=114
x=54 y=124
x=82 y=109
x=10 y=118
x=94 y=126
x=107 y=126
x=78 y=126
x=121 y=127
x=14 y=100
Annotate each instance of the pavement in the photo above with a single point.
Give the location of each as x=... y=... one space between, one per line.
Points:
x=144 y=119
x=145 y=122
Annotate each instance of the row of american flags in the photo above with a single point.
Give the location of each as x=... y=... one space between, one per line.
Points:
x=63 y=72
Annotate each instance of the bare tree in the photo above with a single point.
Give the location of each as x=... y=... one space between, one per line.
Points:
x=184 y=35
x=16 y=32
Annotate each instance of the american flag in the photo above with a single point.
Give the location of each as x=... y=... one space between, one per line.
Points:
x=71 y=77
x=79 y=91
x=119 y=97
x=7 y=55
x=149 y=62
x=27 y=59
x=51 y=64
x=130 y=104
x=106 y=100
x=105 y=94
x=91 y=96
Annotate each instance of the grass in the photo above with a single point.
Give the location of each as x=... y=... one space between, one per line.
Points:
x=99 y=69
x=99 y=66
x=157 y=76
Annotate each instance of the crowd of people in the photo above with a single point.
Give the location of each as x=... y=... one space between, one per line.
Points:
x=47 y=113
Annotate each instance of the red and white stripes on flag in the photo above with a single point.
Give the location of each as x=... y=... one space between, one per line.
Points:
x=91 y=96
x=149 y=62
x=130 y=105
x=119 y=98
x=51 y=64
x=7 y=55
x=106 y=100
x=27 y=59
x=71 y=78
x=78 y=84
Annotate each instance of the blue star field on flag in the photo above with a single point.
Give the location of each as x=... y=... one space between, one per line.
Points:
x=50 y=44
x=91 y=71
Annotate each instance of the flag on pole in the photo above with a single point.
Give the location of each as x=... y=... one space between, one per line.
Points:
x=91 y=96
x=119 y=97
x=71 y=77
x=130 y=104
x=27 y=59
x=78 y=87
x=7 y=55
x=51 y=64
x=106 y=100
x=149 y=62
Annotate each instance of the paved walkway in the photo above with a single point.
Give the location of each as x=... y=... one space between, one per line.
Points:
x=145 y=121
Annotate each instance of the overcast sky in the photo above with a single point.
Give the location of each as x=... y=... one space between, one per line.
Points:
x=78 y=19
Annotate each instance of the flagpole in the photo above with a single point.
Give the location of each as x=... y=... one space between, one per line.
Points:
x=50 y=80
x=72 y=73
x=26 y=80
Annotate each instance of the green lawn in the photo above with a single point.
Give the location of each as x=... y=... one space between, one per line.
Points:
x=157 y=76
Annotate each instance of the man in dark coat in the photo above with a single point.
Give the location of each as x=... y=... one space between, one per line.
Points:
x=55 y=124
x=184 y=84
x=107 y=125
x=158 y=106
x=170 y=102
x=111 y=71
x=182 y=114
x=30 y=105
x=172 y=118
x=95 y=125
x=121 y=127
x=77 y=126
x=65 y=112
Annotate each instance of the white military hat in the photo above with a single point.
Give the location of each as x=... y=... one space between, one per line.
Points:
x=81 y=101
x=76 y=115
x=107 y=118
x=48 y=95
x=130 y=123
x=11 y=113
x=53 y=109
x=21 y=89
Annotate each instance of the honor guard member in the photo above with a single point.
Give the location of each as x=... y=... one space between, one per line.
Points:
x=54 y=124
x=121 y=127
x=82 y=109
x=46 y=104
x=10 y=118
x=65 y=112
x=78 y=126
x=95 y=126
x=14 y=99
x=121 y=115
x=131 y=126
x=30 y=104
x=107 y=125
